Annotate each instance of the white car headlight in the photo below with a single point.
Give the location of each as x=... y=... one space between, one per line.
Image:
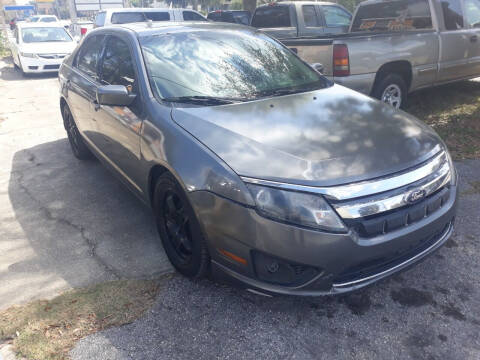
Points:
x=297 y=208
x=29 y=55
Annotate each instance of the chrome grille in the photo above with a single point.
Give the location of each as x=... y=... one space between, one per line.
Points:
x=52 y=56
x=439 y=176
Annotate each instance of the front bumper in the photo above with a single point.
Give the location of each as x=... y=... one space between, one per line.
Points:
x=241 y=231
x=40 y=65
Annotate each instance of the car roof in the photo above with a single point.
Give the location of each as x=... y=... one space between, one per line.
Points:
x=300 y=2
x=163 y=27
x=24 y=25
x=115 y=10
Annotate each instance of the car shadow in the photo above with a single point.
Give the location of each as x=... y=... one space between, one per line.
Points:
x=80 y=223
x=9 y=72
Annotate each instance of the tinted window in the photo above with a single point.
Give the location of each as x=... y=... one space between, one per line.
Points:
x=242 y=17
x=117 y=66
x=335 y=16
x=452 y=14
x=157 y=16
x=127 y=17
x=192 y=16
x=88 y=56
x=224 y=64
x=100 y=19
x=216 y=16
x=472 y=12
x=309 y=15
x=393 y=16
x=271 y=17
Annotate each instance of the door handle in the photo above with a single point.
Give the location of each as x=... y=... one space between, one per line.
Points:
x=473 y=38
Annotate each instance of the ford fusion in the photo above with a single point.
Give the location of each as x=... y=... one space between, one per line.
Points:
x=258 y=169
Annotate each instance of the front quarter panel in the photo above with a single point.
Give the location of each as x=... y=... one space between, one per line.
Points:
x=165 y=143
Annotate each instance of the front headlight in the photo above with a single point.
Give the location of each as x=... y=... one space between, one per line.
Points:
x=29 y=55
x=296 y=208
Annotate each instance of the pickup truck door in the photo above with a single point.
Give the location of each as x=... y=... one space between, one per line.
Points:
x=119 y=126
x=454 y=43
x=472 y=19
x=309 y=20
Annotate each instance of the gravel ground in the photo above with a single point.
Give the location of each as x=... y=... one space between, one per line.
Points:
x=430 y=312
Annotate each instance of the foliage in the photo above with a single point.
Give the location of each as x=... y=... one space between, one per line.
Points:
x=44 y=329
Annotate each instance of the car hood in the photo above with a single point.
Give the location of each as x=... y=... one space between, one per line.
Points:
x=321 y=138
x=54 y=47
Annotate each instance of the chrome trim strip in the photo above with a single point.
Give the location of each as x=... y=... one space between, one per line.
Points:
x=370 y=207
x=350 y=191
x=446 y=234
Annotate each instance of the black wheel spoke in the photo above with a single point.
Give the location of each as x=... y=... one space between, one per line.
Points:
x=177 y=226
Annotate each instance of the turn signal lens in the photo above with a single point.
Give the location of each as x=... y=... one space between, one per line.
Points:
x=341 y=64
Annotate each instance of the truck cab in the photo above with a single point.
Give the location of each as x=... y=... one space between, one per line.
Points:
x=289 y=19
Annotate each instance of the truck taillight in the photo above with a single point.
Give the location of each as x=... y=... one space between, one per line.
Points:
x=83 y=31
x=341 y=64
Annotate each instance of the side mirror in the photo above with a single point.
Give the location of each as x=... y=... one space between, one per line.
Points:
x=114 y=95
x=318 y=67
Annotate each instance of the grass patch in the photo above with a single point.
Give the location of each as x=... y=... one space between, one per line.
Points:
x=453 y=110
x=4 y=50
x=44 y=329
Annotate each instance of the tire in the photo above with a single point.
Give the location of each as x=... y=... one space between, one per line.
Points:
x=77 y=144
x=391 y=89
x=179 y=229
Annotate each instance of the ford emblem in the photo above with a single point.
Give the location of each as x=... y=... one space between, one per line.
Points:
x=416 y=195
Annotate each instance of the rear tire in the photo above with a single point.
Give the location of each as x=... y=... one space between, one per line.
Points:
x=179 y=229
x=77 y=144
x=391 y=89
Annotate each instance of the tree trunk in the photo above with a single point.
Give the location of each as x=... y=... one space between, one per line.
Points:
x=250 y=5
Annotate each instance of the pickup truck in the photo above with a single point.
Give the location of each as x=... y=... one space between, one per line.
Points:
x=301 y=18
x=395 y=47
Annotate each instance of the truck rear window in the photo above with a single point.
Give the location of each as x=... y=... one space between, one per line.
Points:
x=157 y=16
x=393 y=16
x=271 y=17
x=127 y=17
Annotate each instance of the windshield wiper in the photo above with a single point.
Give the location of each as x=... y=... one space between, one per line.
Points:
x=204 y=100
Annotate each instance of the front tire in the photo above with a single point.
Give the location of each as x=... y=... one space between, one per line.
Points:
x=77 y=144
x=179 y=229
x=391 y=89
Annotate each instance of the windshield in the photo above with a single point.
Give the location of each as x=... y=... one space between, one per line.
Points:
x=44 y=34
x=225 y=64
x=34 y=19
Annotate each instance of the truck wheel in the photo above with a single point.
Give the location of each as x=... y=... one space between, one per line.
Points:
x=391 y=89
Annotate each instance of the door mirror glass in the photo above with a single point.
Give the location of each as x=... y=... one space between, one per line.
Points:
x=114 y=95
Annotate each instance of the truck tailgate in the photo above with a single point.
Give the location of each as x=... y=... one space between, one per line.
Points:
x=313 y=51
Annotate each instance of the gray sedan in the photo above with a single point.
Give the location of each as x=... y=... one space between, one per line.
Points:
x=258 y=169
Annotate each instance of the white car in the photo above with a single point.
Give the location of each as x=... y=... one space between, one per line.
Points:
x=44 y=18
x=133 y=15
x=40 y=47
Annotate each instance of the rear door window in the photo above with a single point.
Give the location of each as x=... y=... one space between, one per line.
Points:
x=335 y=16
x=127 y=17
x=192 y=16
x=393 y=16
x=452 y=14
x=272 y=17
x=242 y=18
x=216 y=16
x=309 y=16
x=157 y=16
x=89 y=55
